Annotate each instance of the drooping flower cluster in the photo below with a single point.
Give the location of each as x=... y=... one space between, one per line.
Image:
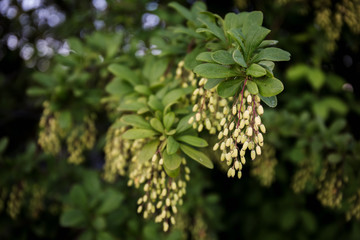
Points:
x=264 y=166
x=207 y=106
x=78 y=139
x=354 y=209
x=239 y=126
x=330 y=188
x=162 y=193
x=118 y=151
x=49 y=136
x=82 y=137
x=302 y=177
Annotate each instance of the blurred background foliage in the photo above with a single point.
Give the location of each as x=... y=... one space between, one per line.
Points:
x=306 y=184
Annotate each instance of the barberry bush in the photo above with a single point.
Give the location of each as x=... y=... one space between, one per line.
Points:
x=181 y=129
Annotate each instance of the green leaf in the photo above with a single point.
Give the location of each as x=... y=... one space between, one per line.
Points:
x=254 y=37
x=268 y=43
x=65 y=119
x=91 y=182
x=232 y=20
x=193 y=141
x=222 y=57
x=104 y=236
x=212 y=82
x=78 y=197
x=255 y=70
x=143 y=89
x=172 y=145
x=334 y=158
x=3 y=144
x=183 y=124
x=157 y=125
x=336 y=104
x=267 y=65
x=269 y=87
x=172 y=173
x=135 y=121
x=172 y=161
x=212 y=70
x=213 y=28
x=111 y=201
x=75 y=45
x=270 y=101
x=168 y=120
x=44 y=79
x=316 y=77
x=252 y=87
x=228 y=88
x=172 y=96
x=197 y=156
x=238 y=37
x=131 y=106
x=205 y=57
x=72 y=218
x=190 y=60
x=154 y=68
x=99 y=223
x=251 y=20
x=36 y=91
x=239 y=58
x=183 y=11
x=125 y=73
x=272 y=54
x=118 y=87
x=155 y=103
x=148 y=150
x=138 y=134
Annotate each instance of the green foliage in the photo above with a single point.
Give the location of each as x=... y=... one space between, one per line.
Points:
x=131 y=107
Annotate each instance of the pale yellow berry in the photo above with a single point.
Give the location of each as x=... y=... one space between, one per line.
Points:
x=253 y=154
x=165 y=226
x=239 y=174
x=246 y=114
x=260 y=110
x=216 y=146
x=237 y=164
x=195 y=108
x=243 y=160
x=220 y=136
x=191 y=120
x=260 y=137
x=262 y=128
x=139 y=209
x=226 y=132
x=245 y=145
x=154 y=158
x=222 y=146
x=234 y=110
x=198 y=117
x=257 y=120
x=222 y=122
x=249 y=99
x=258 y=150
x=249 y=131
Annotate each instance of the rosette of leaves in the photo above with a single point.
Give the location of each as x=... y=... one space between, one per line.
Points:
x=235 y=49
x=154 y=110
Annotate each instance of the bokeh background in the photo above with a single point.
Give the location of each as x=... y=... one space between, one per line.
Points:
x=306 y=186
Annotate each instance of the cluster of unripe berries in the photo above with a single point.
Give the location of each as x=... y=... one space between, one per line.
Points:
x=78 y=139
x=239 y=126
x=330 y=188
x=162 y=194
x=118 y=151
